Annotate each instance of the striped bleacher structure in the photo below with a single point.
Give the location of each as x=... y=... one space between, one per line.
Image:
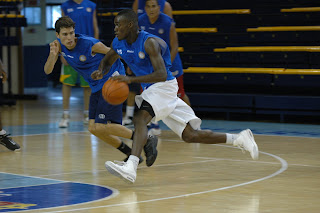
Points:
x=10 y=24
x=252 y=57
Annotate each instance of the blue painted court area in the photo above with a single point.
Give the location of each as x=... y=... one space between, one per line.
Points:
x=19 y=192
x=11 y=180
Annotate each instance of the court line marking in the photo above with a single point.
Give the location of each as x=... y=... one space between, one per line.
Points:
x=263 y=134
x=29 y=176
x=190 y=162
x=284 y=166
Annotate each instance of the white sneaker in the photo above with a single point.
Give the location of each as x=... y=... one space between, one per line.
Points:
x=246 y=142
x=124 y=170
x=127 y=121
x=85 y=119
x=64 y=122
x=154 y=130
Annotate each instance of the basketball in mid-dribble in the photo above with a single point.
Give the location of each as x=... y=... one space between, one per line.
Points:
x=115 y=92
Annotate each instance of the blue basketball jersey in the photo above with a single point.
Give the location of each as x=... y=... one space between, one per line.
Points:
x=142 y=4
x=85 y=62
x=161 y=28
x=81 y=14
x=136 y=57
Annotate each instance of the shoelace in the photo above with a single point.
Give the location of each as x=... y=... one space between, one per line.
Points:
x=10 y=139
x=5 y=135
x=242 y=148
x=120 y=163
x=148 y=146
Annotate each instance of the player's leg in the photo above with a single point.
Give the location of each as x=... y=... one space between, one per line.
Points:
x=68 y=78
x=128 y=118
x=181 y=93
x=128 y=170
x=86 y=99
x=187 y=126
x=243 y=140
x=7 y=141
x=141 y=120
x=105 y=123
x=134 y=89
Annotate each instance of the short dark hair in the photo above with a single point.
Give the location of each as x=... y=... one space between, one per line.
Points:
x=150 y=0
x=129 y=15
x=64 y=22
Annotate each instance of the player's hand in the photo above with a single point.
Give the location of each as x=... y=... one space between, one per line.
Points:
x=54 y=47
x=97 y=75
x=122 y=78
x=3 y=76
x=129 y=71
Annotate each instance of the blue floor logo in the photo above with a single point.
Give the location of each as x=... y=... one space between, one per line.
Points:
x=49 y=196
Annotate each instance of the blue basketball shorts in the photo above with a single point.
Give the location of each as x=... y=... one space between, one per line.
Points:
x=102 y=111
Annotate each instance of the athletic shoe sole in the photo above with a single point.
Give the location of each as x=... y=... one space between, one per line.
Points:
x=117 y=172
x=151 y=157
x=255 y=152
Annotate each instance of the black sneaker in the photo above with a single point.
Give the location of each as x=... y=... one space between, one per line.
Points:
x=140 y=159
x=150 y=150
x=8 y=142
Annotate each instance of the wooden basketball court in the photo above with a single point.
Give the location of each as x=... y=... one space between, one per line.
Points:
x=185 y=177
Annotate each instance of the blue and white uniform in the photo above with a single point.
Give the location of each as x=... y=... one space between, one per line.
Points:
x=161 y=28
x=138 y=60
x=162 y=96
x=81 y=14
x=85 y=62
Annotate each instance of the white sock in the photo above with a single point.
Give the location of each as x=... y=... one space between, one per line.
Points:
x=231 y=138
x=135 y=161
x=2 y=132
x=129 y=111
x=86 y=112
x=66 y=112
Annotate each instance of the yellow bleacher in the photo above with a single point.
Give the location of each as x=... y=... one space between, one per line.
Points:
x=203 y=12
x=196 y=30
x=284 y=28
x=269 y=49
x=301 y=9
x=278 y=71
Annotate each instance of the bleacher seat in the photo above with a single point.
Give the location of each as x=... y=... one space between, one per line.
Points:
x=262 y=48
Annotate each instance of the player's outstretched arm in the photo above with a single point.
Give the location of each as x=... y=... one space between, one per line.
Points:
x=100 y=48
x=174 y=45
x=53 y=56
x=105 y=64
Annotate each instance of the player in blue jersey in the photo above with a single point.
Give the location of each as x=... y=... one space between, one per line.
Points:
x=139 y=7
x=84 y=54
x=159 y=24
x=148 y=56
x=83 y=13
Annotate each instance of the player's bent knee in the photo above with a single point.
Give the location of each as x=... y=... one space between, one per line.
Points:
x=189 y=136
x=92 y=128
x=96 y=128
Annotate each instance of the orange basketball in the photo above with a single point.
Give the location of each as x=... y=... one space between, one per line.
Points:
x=115 y=92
